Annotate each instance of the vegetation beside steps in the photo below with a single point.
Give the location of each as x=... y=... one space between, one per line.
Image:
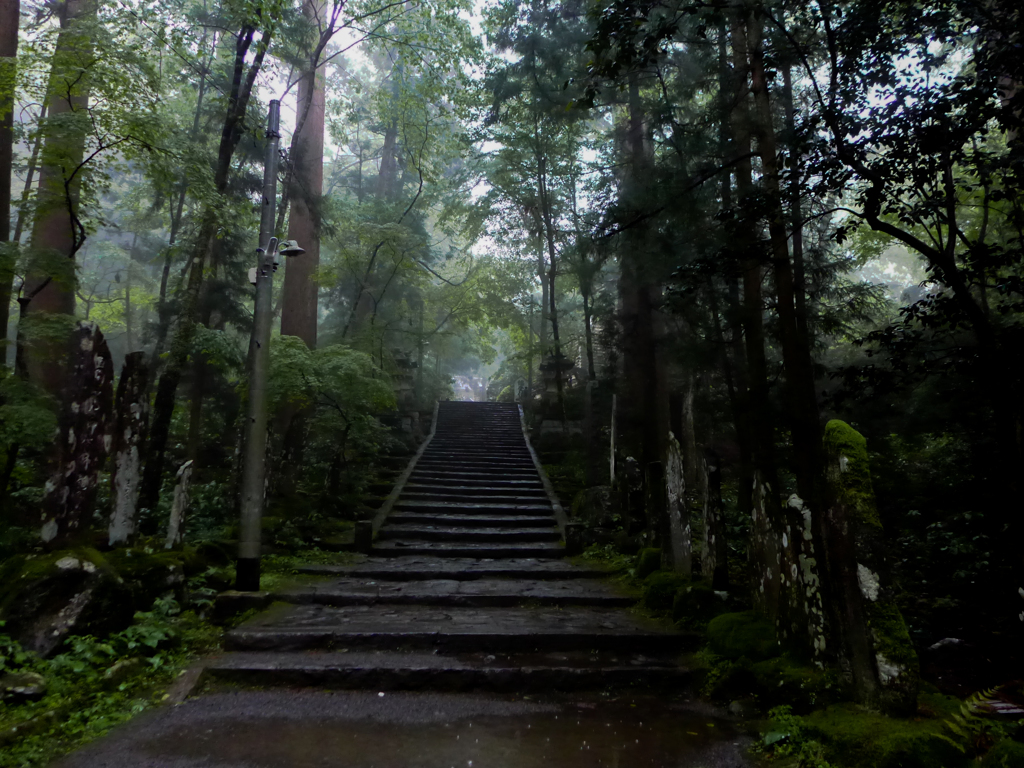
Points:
x=801 y=715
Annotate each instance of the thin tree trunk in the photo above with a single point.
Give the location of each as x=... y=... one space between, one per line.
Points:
x=545 y=203
x=163 y=404
x=588 y=312
x=177 y=209
x=30 y=170
x=10 y=15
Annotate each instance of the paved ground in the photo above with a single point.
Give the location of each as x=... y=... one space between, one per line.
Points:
x=467 y=590
x=316 y=729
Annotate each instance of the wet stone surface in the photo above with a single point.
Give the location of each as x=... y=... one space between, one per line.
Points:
x=404 y=730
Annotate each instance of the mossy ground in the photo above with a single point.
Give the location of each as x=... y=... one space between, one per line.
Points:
x=858 y=738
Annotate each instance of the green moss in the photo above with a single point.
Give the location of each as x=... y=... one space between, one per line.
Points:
x=647 y=562
x=784 y=680
x=694 y=603
x=743 y=635
x=862 y=739
x=660 y=589
x=1005 y=754
x=847 y=447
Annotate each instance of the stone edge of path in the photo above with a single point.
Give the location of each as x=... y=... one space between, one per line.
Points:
x=560 y=517
x=389 y=502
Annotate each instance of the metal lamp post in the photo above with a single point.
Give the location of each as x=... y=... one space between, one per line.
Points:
x=254 y=438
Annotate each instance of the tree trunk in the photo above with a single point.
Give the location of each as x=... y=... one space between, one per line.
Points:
x=58 y=233
x=549 y=231
x=299 y=307
x=10 y=16
x=82 y=439
x=131 y=416
x=163 y=404
x=646 y=407
x=588 y=330
x=796 y=354
x=177 y=208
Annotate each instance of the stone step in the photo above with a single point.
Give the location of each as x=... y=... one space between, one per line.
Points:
x=468 y=535
x=406 y=547
x=474 y=490
x=453 y=630
x=475 y=473
x=461 y=569
x=484 y=482
x=475 y=465
x=485 y=672
x=482 y=521
x=471 y=501
x=452 y=458
x=479 y=593
x=452 y=508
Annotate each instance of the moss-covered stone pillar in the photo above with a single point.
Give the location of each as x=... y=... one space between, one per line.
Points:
x=873 y=642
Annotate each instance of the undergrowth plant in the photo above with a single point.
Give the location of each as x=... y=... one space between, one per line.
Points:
x=786 y=743
x=95 y=684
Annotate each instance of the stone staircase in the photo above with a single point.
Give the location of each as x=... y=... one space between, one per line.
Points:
x=474 y=492
x=466 y=588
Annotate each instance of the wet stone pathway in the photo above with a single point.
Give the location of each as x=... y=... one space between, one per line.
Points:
x=465 y=638
x=467 y=588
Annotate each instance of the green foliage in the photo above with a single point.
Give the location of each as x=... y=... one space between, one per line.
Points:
x=862 y=739
x=647 y=562
x=1005 y=754
x=974 y=733
x=607 y=555
x=96 y=684
x=743 y=635
x=786 y=740
x=27 y=417
x=660 y=589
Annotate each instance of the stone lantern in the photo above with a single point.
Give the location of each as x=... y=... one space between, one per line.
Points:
x=548 y=369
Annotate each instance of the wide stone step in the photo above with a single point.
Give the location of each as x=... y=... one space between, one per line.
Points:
x=481 y=521
x=462 y=569
x=536 y=508
x=477 y=465
x=491 y=484
x=452 y=459
x=468 y=535
x=482 y=671
x=405 y=547
x=474 y=473
x=479 y=593
x=462 y=491
x=538 y=629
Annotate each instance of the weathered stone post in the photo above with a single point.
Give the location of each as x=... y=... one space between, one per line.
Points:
x=876 y=650
x=677 y=549
x=763 y=551
x=83 y=437
x=179 y=506
x=715 y=557
x=131 y=415
x=656 y=509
